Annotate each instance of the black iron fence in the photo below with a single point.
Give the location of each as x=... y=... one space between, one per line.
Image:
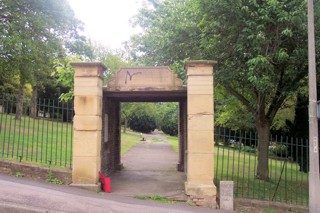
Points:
x=44 y=137
x=236 y=159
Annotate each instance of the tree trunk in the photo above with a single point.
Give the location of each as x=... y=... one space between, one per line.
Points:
x=33 y=110
x=263 y=129
x=20 y=102
x=125 y=125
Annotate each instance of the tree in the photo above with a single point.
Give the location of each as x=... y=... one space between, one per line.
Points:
x=126 y=113
x=261 y=50
x=64 y=72
x=170 y=33
x=168 y=118
x=260 y=46
x=32 y=34
x=143 y=117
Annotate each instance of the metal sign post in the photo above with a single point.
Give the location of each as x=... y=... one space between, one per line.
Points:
x=314 y=185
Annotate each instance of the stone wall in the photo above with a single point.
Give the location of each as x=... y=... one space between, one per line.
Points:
x=35 y=172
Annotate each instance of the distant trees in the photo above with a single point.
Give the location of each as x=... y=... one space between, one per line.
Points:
x=146 y=117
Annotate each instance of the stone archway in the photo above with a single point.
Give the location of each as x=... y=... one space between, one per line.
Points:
x=97 y=121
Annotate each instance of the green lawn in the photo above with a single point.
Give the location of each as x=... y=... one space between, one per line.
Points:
x=128 y=140
x=230 y=164
x=44 y=141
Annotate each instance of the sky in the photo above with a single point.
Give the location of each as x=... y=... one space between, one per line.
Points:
x=107 y=21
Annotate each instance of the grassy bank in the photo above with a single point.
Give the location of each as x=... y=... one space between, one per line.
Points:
x=43 y=141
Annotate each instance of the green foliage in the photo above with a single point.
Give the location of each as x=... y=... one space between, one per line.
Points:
x=230 y=113
x=19 y=174
x=64 y=73
x=142 y=123
x=279 y=150
x=32 y=33
x=51 y=179
x=169 y=119
x=143 y=117
x=260 y=46
x=249 y=149
x=170 y=33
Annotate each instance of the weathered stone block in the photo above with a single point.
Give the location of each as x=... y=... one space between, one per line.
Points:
x=85 y=170
x=200 y=122
x=88 y=105
x=87 y=143
x=200 y=168
x=226 y=195
x=200 y=80
x=200 y=90
x=202 y=194
x=200 y=104
x=200 y=142
x=87 y=82
x=87 y=123
x=88 y=91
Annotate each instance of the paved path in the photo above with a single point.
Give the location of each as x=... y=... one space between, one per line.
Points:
x=149 y=169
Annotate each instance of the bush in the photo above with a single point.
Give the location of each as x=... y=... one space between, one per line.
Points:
x=249 y=149
x=142 y=123
x=279 y=150
x=169 y=123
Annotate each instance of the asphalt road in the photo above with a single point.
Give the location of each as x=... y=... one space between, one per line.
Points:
x=25 y=195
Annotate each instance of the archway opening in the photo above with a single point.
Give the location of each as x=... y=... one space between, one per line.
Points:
x=149 y=167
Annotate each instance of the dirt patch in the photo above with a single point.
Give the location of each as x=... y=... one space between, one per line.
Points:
x=35 y=172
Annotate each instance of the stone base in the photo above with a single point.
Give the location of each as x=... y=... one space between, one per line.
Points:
x=202 y=194
x=90 y=187
x=119 y=167
x=180 y=167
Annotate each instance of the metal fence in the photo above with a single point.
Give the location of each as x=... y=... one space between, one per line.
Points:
x=236 y=159
x=45 y=139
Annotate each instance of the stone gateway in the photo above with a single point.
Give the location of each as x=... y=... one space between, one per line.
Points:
x=97 y=121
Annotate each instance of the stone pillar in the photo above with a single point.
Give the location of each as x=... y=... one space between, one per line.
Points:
x=88 y=80
x=199 y=185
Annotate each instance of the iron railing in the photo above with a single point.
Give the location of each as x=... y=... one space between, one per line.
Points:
x=236 y=159
x=45 y=139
